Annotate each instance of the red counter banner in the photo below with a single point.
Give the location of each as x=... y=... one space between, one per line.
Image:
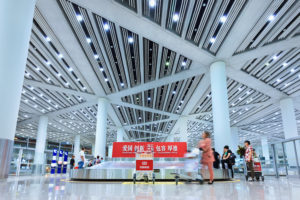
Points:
x=160 y=149
x=144 y=165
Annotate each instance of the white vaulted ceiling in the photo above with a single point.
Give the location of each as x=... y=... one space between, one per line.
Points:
x=151 y=59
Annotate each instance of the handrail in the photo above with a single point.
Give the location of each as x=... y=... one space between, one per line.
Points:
x=286 y=140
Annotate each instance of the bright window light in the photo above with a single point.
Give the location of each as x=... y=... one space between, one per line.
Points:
x=79 y=18
x=175 y=17
x=149 y=98
x=223 y=19
x=130 y=40
x=122 y=84
x=106 y=27
x=271 y=18
x=212 y=40
x=167 y=63
x=174 y=92
x=152 y=3
x=183 y=63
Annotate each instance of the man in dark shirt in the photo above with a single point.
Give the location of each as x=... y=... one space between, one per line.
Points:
x=72 y=162
x=217 y=159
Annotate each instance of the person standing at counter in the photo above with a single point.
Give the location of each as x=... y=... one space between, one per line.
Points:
x=249 y=158
x=72 y=162
x=207 y=155
x=216 y=163
x=82 y=159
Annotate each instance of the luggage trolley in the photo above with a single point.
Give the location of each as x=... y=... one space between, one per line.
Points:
x=192 y=168
x=144 y=166
x=257 y=170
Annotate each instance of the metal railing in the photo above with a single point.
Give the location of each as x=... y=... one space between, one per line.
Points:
x=287 y=157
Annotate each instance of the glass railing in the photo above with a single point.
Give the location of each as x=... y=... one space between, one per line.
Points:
x=286 y=157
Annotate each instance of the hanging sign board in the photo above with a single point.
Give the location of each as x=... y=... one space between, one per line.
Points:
x=160 y=149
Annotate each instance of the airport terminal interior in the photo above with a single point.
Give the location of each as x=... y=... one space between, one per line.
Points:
x=150 y=99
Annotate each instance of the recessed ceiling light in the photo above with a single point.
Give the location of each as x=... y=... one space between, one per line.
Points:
x=106 y=79
x=60 y=55
x=48 y=62
x=284 y=64
x=149 y=98
x=278 y=80
x=106 y=26
x=183 y=63
x=175 y=17
x=79 y=18
x=167 y=63
x=212 y=40
x=292 y=70
x=174 y=92
x=88 y=40
x=48 y=39
x=122 y=84
x=274 y=57
x=130 y=40
x=223 y=19
x=152 y=3
x=96 y=56
x=271 y=18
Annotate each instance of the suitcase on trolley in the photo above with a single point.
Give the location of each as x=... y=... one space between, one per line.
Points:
x=258 y=174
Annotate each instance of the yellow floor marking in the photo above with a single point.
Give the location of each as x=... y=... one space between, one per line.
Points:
x=150 y=182
x=156 y=183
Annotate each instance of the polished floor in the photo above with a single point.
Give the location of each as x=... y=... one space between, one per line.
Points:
x=59 y=187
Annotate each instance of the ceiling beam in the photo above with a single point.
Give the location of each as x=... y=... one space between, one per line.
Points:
x=61 y=28
x=196 y=71
x=242 y=26
x=55 y=88
x=259 y=134
x=270 y=49
x=254 y=83
x=143 y=108
x=145 y=28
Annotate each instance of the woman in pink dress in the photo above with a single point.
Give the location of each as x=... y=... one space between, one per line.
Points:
x=207 y=155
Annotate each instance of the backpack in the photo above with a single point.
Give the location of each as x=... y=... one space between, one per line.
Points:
x=232 y=158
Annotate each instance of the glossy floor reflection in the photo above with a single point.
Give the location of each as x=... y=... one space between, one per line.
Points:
x=58 y=187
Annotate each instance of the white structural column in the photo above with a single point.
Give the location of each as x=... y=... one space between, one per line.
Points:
x=100 y=144
x=234 y=139
x=76 y=148
x=16 y=22
x=265 y=149
x=183 y=129
x=120 y=134
x=289 y=127
x=220 y=109
x=93 y=150
x=170 y=138
x=41 y=141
